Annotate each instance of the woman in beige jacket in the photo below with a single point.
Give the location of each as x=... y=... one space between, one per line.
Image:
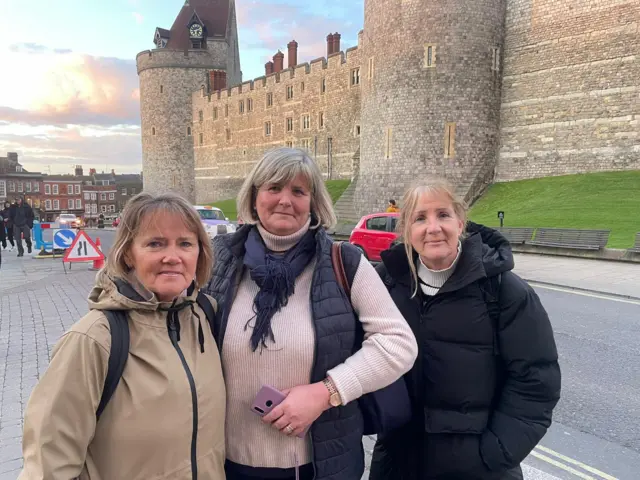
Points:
x=166 y=417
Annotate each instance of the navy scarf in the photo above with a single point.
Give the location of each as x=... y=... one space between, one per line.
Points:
x=276 y=276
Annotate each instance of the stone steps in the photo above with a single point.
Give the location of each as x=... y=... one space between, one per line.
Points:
x=344 y=207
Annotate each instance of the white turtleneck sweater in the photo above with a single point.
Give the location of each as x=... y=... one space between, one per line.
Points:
x=388 y=351
x=431 y=281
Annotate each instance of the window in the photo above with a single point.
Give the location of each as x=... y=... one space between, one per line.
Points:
x=241 y=106
x=112 y=208
x=124 y=191
x=70 y=203
x=289 y=124
x=356 y=131
x=228 y=134
x=103 y=208
x=215 y=113
x=226 y=110
x=69 y=189
x=36 y=187
x=153 y=131
x=495 y=59
x=321 y=120
x=290 y=92
x=103 y=196
x=387 y=143
x=78 y=204
x=306 y=122
x=249 y=104
x=161 y=88
x=3 y=189
x=267 y=128
x=19 y=168
x=323 y=86
x=393 y=223
x=47 y=204
x=450 y=140
x=355 y=77
x=77 y=189
x=304 y=144
x=12 y=186
x=188 y=131
x=94 y=196
x=429 y=56
x=87 y=195
x=301 y=87
x=200 y=138
x=94 y=208
x=269 y=100
x=47 y=189
x=55 y=190
x=56 y=204
x=20 y=187
x=200 y=115
x=289 y=144
x=87 y=208
x=112 y=196
x=370 y=69
x=28 y=187
x=377 y=223
x=133 y=191
x=202 y=90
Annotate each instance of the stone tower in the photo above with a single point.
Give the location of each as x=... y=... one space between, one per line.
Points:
x=203 y=38
x=431 y=76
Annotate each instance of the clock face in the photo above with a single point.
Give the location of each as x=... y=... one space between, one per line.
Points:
x=195 y=30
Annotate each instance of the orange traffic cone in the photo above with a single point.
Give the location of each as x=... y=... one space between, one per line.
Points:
x=98 y=264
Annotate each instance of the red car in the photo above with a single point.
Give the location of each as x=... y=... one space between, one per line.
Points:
x=374 y=233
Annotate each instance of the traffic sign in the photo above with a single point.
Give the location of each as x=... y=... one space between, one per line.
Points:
x=83 y=249
x=63 y=238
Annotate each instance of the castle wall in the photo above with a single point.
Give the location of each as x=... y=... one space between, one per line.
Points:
x=231 y=145
x=571 y=88
x=167 y=80
x=409 y=104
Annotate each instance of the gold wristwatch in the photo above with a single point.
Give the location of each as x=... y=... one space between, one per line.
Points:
x=334 y=396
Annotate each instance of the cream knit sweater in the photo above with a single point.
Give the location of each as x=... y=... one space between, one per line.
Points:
x=389 y=351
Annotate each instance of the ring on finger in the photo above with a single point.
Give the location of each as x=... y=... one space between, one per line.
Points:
x=288 y=429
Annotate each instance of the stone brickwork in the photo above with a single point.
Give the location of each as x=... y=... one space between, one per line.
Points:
x=571 y=88
x=232 y=135
x=432 y=103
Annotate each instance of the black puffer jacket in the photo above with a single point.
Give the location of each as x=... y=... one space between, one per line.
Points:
x=477 y=413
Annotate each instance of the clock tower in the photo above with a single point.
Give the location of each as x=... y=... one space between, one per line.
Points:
x=204 y=37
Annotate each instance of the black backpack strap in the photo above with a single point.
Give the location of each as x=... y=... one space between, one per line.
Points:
x=205 y=304
x=492 y=299
x=119 y=327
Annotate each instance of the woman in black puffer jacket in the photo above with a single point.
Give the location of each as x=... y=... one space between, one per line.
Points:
x=487 y=377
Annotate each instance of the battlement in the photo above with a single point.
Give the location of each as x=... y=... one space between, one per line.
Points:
x=213 y=57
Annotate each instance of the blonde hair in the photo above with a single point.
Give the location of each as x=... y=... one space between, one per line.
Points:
x=433 y=186
x=132 y=221
x=280 y=166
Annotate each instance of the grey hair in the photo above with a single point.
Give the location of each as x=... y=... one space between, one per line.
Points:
x=280 y=166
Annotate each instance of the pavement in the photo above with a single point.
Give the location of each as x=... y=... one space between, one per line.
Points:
x=39 y=300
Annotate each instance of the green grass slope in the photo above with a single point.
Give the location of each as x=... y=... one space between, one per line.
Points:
x=336 y=189
x=609 y=200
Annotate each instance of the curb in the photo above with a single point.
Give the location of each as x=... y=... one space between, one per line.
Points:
x=585 y=290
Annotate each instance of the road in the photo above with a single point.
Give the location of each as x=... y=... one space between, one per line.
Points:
x=596 y=429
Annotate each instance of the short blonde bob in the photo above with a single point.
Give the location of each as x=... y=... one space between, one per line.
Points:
x=280 y=166
x=134 y=218
x=432 y=186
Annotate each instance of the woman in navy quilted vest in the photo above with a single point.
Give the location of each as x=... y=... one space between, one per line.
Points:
x=487 y=378
x=285 y=322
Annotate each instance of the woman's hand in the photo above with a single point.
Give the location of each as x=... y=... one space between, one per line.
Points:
x=303 y=405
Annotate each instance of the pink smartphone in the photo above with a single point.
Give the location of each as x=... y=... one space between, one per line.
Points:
x=266 y=400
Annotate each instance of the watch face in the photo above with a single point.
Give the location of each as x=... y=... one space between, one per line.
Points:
x=195 y=30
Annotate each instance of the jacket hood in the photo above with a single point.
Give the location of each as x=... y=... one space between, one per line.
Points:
x=129 y=294
x=485 y=253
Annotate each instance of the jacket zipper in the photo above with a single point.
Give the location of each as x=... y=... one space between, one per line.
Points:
x=173 y=334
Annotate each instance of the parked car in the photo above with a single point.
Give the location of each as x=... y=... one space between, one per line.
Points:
x=69 y=220
x=375 y=233
x=214 y=220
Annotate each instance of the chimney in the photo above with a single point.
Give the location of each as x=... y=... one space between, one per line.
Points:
x=278 y=62
x=336 y=42
x=113 y=172
x=78 y=170
x=222 y=79
x=329 y=44
x=268 y=68
x=293 y=53
x=217 y=80
x=92 y=171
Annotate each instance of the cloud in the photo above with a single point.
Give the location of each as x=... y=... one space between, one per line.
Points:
x=138 y=18
x=36 y=49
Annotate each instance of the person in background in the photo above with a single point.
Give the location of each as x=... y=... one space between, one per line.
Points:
x=487 y=377
x=392 y=207
x=7 y=227
x=285 y=322
x=166 y=417
x=22 y=218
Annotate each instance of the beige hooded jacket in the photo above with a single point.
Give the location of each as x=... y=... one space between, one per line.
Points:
x=146 y=431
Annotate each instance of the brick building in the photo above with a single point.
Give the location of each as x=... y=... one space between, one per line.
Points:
x=476 y=93
x=128 y=185
x=62 y=194
x=16 y=182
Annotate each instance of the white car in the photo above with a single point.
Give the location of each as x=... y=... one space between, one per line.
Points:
x=214 y=221
x=69 y=220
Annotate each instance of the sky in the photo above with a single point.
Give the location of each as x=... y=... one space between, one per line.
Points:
x=68 y=84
